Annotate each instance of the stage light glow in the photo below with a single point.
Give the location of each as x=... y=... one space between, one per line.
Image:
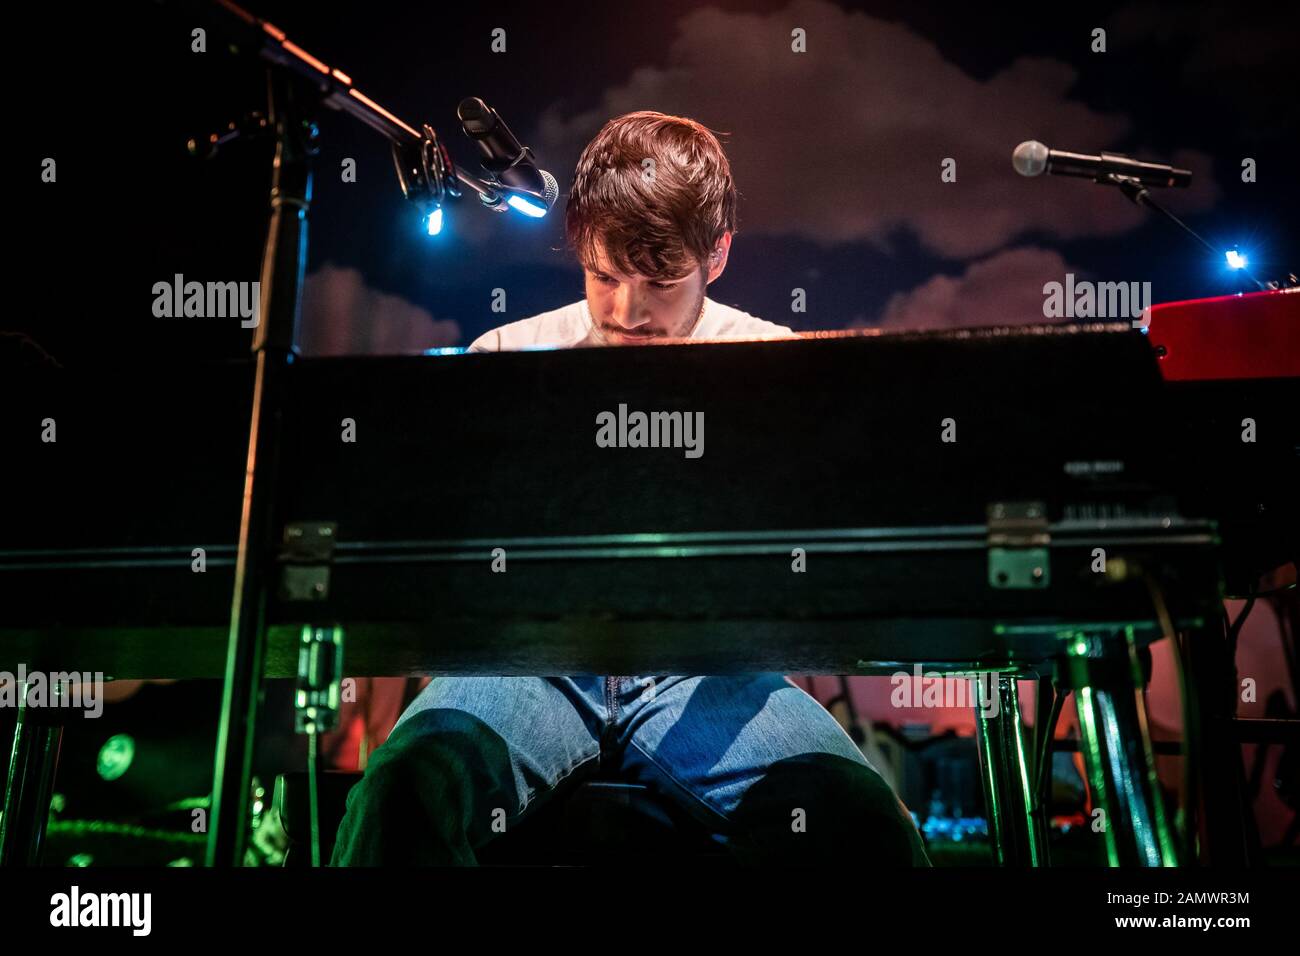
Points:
x=1235 y=259
x=115 y=756
x=526 y=205
x=433 y=224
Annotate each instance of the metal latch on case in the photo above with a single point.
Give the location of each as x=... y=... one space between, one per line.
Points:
x=305 y=557
x=1018 y=545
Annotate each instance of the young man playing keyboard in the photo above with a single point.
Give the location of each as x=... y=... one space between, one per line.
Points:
x=756 y=760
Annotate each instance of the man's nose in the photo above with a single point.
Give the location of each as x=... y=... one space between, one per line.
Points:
x=627 y=308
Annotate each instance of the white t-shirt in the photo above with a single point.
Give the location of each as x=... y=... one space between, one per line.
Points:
x=570 y=326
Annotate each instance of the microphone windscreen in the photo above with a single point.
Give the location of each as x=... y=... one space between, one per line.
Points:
x=1030 y=158
x=552 y=189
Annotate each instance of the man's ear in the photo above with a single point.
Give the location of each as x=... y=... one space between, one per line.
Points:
x=718 y=258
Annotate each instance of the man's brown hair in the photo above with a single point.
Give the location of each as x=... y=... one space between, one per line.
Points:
x=662 y=220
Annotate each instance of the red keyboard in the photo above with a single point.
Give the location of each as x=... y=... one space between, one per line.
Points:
x=1247 y=336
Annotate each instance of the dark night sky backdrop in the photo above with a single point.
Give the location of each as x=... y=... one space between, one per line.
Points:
x=836 y=153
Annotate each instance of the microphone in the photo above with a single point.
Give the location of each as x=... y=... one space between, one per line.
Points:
x=510 y=164
x=1032 y=158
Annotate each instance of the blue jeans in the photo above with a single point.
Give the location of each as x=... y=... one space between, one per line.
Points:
x=756 y=760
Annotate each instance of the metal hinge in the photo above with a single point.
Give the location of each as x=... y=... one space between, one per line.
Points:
x=1018 y=545
x=305 y=557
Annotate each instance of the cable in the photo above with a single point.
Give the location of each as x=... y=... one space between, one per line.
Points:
x=1041 y=790
x=1271 y=591
x=1188 y=789
x=1234 y=630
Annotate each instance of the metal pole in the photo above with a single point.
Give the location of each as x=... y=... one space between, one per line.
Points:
x=1018 y=838
x=275 y=346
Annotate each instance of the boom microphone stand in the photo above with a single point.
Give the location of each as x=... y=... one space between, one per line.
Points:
x=298 y=86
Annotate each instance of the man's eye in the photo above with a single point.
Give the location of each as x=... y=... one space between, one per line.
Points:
x=662 y=286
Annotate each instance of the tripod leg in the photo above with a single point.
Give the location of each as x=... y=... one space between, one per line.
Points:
x=1016 y=831
x=29 y=783
x=1117 y=750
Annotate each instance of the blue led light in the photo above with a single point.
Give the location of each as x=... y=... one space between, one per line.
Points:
x=1235 y=259
x=433 y=224
x=526 y=205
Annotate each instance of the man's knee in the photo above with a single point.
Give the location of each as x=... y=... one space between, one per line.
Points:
x=820 y=808
x=416 y=801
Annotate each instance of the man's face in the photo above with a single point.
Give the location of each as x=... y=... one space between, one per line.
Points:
x=631 y=310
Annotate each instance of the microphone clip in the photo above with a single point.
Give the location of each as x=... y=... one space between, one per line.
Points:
x=425 y=171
